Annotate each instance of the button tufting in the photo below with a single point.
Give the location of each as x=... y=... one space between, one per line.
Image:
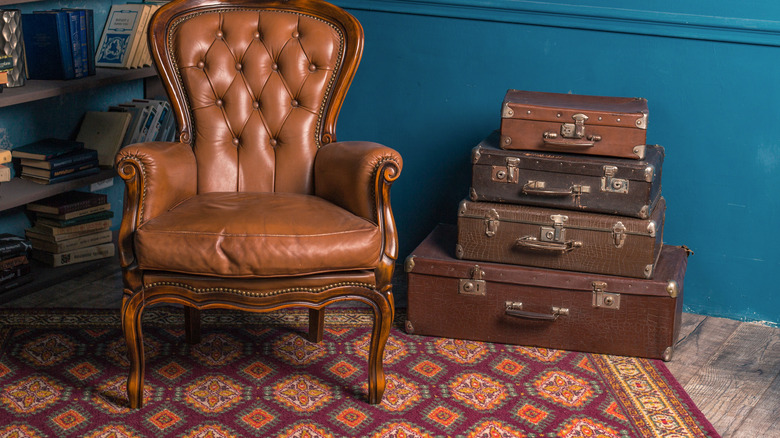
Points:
x=255 y=104
x=235 y=141
x=275 y=67
x=257 y=35
x=294 y=103
x=201 y=64
x=273 y=142
x=219 y=102
x=312 y=67
x=296 y=34
x=219 y=34
x=239 y=66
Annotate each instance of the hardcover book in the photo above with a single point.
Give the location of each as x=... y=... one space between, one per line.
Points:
x=47 y=149
x=5 y=156
x=67 y=202
x=75 y=256
x=15 y=276
x=75 y=243
x=74 y=26
x=104 y=131
x=48 y=49
x=89 y=226
x=69 y=159
x=61 y=178
x=120 y=36
x=101 y=215
x=75 y=214
x=34 y=232
x=58 y=171
x=13 y=246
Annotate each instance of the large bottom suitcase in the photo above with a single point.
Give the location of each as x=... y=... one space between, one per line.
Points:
x=547 y=308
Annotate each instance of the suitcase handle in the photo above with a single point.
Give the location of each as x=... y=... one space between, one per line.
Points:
x=530 y=188
x=556 y=312
x=532 y=242
x=552 y=138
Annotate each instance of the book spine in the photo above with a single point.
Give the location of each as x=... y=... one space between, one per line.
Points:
x=13 y=262
x=90 y=19
x=89 y=226
x=13 y=246
x=8 y=276
x=75 y=43
x=72 y=244
x=103 y=215
x=22 y=278
x=76 y=256
x=66 y=48
x=75 y=214
x=74 y=206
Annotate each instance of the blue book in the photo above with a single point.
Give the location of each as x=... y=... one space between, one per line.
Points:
x=75 y=43
x=86 y=39
x=58 y=179
x=48 y=49
x=47 y=149
x=68 y=159
x=58 y=171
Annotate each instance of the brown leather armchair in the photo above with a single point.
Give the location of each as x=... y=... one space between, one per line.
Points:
x=256 y=207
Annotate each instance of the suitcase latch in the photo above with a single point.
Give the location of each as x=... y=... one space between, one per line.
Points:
x=619 y=234
x=474 y=285
x=603 y=299
x=491 y=222
x=611 y=184
x=509 y=173
x=556 y=232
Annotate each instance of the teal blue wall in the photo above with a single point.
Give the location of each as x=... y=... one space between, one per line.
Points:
x=434 y=73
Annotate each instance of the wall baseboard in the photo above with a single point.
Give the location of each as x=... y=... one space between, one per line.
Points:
x=581 y=16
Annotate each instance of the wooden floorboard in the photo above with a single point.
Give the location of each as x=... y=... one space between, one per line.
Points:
x=730 y=369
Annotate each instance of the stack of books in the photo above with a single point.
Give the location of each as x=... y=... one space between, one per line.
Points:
x=14 y=261
x=53 y=160
x=71 y=227
x=59 y=44
x=150 y=120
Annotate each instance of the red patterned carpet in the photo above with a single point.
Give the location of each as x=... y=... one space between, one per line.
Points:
x=62 y=374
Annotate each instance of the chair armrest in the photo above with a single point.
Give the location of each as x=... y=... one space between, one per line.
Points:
x=353 y=174
x=158 y=175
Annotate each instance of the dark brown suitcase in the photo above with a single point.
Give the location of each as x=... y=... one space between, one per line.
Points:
x=560 y=239
x=590 y=125
x=568 y=181
x=537 y=307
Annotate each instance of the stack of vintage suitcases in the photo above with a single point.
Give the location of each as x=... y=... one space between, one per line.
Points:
x=560 y=244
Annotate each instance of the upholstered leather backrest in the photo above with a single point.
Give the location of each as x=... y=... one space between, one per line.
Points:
x=257 y=86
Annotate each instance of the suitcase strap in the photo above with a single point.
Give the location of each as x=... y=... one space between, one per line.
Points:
x=514 y=308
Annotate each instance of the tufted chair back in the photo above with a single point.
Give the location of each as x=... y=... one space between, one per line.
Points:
x=255 y=92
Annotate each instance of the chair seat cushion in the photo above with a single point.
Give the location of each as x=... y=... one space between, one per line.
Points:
x=257 y=235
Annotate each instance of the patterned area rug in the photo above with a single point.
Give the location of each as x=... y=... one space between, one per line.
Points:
x=62 y=374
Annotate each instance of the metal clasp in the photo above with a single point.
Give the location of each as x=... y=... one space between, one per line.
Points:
x=509 y=173
x=491 y=223
x=576 y=129
x=611 y=184
x=619 y=234
x=603 y=299
x=475 y=285
x=556 y=232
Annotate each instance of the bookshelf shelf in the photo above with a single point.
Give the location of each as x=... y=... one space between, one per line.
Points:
x=18 y=192
x=37 y=89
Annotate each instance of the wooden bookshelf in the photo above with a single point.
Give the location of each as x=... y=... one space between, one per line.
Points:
x=38 y=89
x=18 y=192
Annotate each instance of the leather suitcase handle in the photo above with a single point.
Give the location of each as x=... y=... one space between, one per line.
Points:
x=556 y=312
x=551 y=138
x=529 y=189
x=532 y=242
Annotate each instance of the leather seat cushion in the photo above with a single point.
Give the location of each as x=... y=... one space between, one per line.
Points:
x=257 y=235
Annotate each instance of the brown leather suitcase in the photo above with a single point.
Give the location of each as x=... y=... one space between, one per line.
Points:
x=545 y=308
x=590 y=125
x=560 y=239
x=568 y=181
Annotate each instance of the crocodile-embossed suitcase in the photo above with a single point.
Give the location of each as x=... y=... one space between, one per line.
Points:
x=569 y=181
x=528 y=306
x=560 y=239
x=573 y=123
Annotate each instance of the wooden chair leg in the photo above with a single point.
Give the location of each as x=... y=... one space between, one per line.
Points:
x=192 y=325
x=316 y=325
x=131 y=326
x=383 y=320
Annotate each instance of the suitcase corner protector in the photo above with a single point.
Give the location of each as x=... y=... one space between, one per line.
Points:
x=409 y=327
x=668 y=353
x=409 y=264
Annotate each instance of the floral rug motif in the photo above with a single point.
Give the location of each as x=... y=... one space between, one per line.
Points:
x=63 y=374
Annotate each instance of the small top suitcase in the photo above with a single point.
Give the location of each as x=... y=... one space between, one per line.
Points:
x=590 y=125
x=569 y=181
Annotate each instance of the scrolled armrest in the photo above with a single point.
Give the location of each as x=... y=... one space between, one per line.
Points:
x=157 y=175
x=355 y=175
